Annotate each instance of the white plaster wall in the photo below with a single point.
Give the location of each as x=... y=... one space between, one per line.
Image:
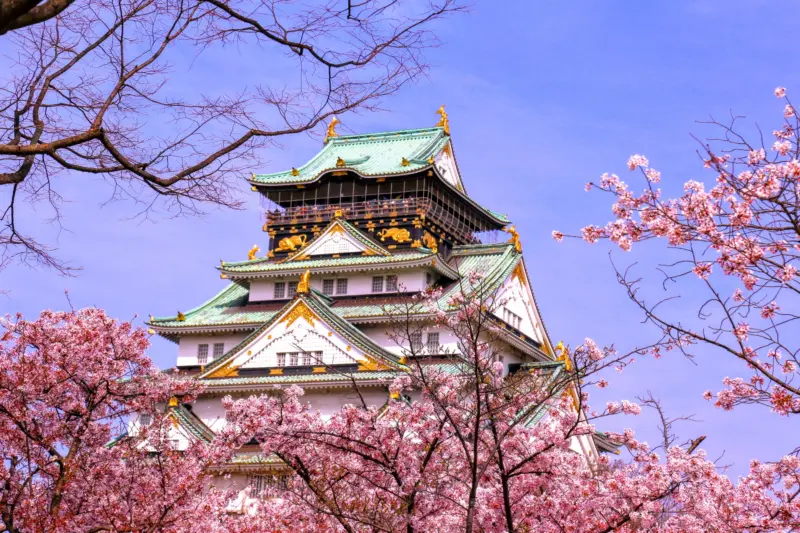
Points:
x=357 y=284
x=325 y=400
x=381 y=336
x=187 y=346
x=515 y=296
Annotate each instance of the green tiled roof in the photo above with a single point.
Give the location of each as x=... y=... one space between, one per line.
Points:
x=377 y=154
x=409 y=259
x=327 y=377
x=230 y=308
x=188 y=421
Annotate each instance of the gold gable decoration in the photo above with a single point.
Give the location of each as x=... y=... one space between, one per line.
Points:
x=444 y=122
x=301 y=310
x=252 y=253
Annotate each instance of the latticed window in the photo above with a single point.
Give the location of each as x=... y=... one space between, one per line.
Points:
x=377 y=284
x=416 y=342
x=280 y=289
x=433 y=343
x=145 y=419
x=327 y=286
x=341 y=286
x=293 y=358
x=292 y=289
x=268 y=486
x=391 y=283
x=281 y=359
x=311 y=358
x=202 y=354
x=219 y=349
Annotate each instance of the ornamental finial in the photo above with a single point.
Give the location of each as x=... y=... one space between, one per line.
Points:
x=332 y=129
x=514 y=238
x=252 y=253
x=444 y=122
x=304 y=284
x=563 y=355
x=181 y=317
x=173 y=402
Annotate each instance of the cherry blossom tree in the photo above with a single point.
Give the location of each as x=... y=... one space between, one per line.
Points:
x=461 y=446
x=69 y=384
x=98 y=90
x=738 y=237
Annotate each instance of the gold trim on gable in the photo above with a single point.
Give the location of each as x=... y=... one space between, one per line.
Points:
x=301 y=310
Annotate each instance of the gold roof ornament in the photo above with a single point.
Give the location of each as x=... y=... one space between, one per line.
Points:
x=514 y=238
x=430 y=160
x=444 y=122
x=304 y=285
x=252 y=253
x=173 y=402
x=331 y=133
x=338 y=213
x=151 y=331
x=563 y=355
x=253 y=188
x=340 y=162
x=181 y=317
x=404 y=162
x=295 y=172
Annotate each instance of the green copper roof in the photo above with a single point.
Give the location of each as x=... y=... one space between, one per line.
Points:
x=264 y=266
x=230 y=308
x=391 y=153
x=377 y=154
x=193 y=425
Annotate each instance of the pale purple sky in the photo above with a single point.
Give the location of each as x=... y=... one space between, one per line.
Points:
x=543 y=97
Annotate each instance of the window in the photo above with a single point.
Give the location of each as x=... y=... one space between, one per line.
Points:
x=280 y=289
x=292 y=289
x=327 y=286
x=293 y=359
x=391 y=283
x=173 y=443
x=433 y=343
x=145 y=419
x=416 y=342
x=513 y=319
x=219 y=349
x=306 y=359
x=202 y=354
x=268 y=486
x=281 y=359
x=428 y=279
x=341 y=286
x=377 y=284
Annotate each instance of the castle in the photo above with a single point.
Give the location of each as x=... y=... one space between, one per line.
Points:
x=366 y=224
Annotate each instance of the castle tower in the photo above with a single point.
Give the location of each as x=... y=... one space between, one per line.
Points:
x=366 y=224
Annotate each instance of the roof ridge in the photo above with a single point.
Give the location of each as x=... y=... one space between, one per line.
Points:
x=386 y=133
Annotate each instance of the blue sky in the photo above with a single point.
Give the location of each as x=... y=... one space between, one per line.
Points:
x=543 y=97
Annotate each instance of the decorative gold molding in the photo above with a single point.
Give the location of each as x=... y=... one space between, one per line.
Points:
x=397 y=234
x=275 y=371
x=319 y=370
x=301 y=310
x=290 y=244
x=430 y=242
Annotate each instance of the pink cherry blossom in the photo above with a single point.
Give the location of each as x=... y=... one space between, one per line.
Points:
x=780 y=92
